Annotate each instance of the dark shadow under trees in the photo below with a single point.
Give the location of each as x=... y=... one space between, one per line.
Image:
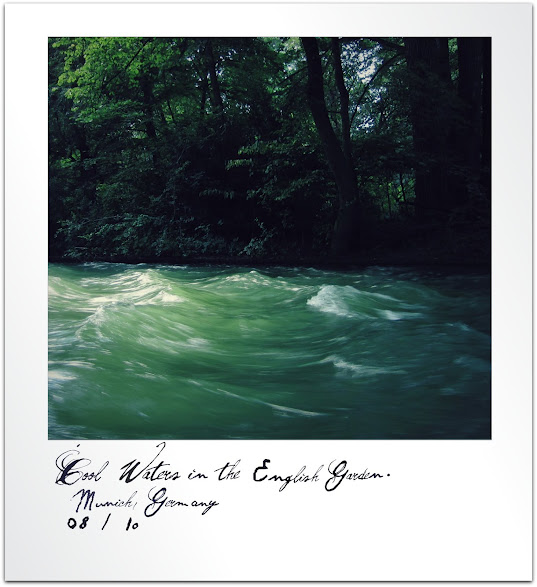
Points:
x=279 y=150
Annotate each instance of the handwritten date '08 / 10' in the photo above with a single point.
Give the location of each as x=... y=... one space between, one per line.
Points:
x=74 y=468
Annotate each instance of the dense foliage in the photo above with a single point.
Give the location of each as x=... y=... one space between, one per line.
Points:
x=268 y=148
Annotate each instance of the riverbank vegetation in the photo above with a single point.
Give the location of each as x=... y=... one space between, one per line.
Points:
x=270 y=149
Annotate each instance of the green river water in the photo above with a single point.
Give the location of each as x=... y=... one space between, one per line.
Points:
x=181 y=352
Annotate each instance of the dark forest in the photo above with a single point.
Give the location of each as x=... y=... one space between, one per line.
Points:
x=270 y=150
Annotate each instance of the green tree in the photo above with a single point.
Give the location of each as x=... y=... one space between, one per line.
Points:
x=263 y=147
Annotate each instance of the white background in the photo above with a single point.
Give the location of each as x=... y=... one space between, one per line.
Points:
x=450 y=510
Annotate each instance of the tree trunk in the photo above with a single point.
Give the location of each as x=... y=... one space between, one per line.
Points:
x=429 y=83
x=148 y=102
x=388 y=199
x=486 y=117
x=153 y=179
x=204 y=88
x=343 y=100
x=442 y=67
x=88 y=171
x=216 y=96
x=346 y=230
x=470 y=140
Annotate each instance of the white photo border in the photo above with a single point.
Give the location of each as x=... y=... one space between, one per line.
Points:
x=450 y=511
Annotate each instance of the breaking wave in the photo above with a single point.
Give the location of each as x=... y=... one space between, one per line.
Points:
x=140 y=351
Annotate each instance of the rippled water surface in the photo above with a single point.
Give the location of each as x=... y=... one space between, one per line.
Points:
x=164 y=352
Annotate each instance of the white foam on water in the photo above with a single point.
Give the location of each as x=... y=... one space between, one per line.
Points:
x=139 y=295
x=102 y=300
x=391 y=315
x=95 y=320
x=360 y=370
x=98 y=317
x=284 y=409
x=339 y=300
x=128 y=286
x=293 y=411
x=248 y=279
x=79 y=364
x=198 y=342
x=175 y=346
x=151 y=376
x=234 y=278
x=380 y=296
x=60 y=376
x=329 y=300
x=464 y=327
x=145 y=277
x=168 y=298
x=162 y=297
